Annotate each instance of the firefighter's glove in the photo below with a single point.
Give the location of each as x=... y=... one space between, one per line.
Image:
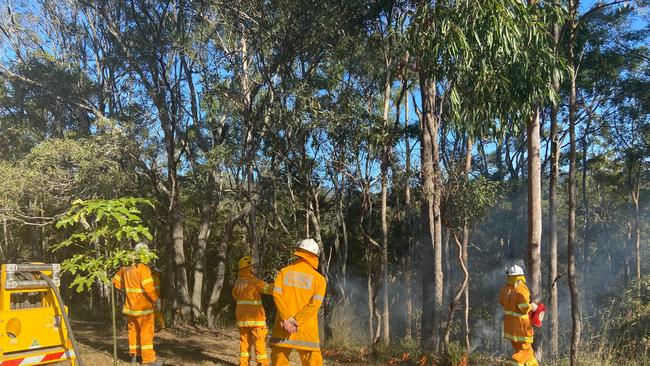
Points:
x=290 y=325
x=533 y=307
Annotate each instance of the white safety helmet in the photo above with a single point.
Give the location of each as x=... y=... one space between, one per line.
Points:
x=515 y=270
x=141 y=247
x=309 y=245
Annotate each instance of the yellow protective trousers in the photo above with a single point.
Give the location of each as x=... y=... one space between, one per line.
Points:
x=253 y=336
x=523 y=355
x=280 y=357
x=141 y=329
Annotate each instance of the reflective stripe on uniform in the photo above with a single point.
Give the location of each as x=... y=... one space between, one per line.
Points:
x=518 y=338
x=298 y=279
x=249 y=302
x=251 y=324
x=244 y=354
x=523 y=305
x=137 y=312
x=134 y=290
x=261 y=357
x=266 y=287
x=531 y=363
x=131 y=347
x=117 y=277
x=148 y=346
x=148 y=280
x=317 y=297
x=290 y=342
x=277 y=289
x=515 y=314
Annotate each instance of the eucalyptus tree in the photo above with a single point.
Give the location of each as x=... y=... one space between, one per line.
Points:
x=552 y=203
x=575 y=22
x=457 y=44
x=386 y=44
x=575 y=299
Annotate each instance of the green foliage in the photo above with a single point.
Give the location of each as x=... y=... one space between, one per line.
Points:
x=453 y=355
x=494 y=61
x=108 y=110
x=45 y=102
x=100 y=245
x=468 y=200
x=630 y=312
x=44 y=181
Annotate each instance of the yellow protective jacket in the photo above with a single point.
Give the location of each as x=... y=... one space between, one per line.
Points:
x=137 y=283
x=298 y=293
x=247 y=292
x=156 y=281
x=516 y=306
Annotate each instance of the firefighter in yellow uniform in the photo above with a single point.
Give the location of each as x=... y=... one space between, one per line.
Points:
x=251 y=319
x=139 y=305
x=515 y=299
x=298 y=294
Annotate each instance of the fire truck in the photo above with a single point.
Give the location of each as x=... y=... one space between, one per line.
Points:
x=34 y=326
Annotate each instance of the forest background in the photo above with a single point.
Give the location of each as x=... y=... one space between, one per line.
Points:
x=424 y=145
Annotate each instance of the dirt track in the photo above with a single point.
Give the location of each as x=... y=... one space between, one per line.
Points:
x=177 y=347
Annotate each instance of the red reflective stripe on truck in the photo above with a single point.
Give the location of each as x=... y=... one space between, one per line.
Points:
x=53 y=356
x=12 y=362
x=35 y=359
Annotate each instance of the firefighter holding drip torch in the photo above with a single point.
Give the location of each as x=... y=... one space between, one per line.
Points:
x=515 y=299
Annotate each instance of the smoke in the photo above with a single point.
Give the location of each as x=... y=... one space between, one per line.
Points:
x=485 y=335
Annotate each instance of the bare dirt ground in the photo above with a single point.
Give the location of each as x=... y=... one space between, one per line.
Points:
x=176 y=347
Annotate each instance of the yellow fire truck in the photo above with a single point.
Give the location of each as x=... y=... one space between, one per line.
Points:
x=34 y=328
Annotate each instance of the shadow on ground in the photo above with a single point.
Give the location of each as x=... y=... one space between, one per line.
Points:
x=177 y=347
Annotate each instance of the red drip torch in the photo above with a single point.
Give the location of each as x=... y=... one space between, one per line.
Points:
x=537 y=316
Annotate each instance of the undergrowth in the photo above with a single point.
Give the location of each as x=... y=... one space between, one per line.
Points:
x=620 y=338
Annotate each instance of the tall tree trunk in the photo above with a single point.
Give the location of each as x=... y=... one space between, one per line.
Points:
x=534 y=184
x=431 y=234
x=534 y=204
x=446 y=267
x=314 y=214
x=464 y=263
x=634 y=227
x=585 y=200
x=459 y=294
x=250 y=148
x=637 y=232
x=628 y=249
x=175 y=213
x=575 y=305
x=341 y=240
x=384 y=255
x=407 y=209
x=220 y=274
x=200 y=260
x=182 y=288
x=385 y=163
x=552 y=214
x=371 y=296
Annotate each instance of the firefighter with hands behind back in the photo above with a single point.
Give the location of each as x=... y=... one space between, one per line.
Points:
x=298 y=294
x=141 y=302
x=515 y=299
